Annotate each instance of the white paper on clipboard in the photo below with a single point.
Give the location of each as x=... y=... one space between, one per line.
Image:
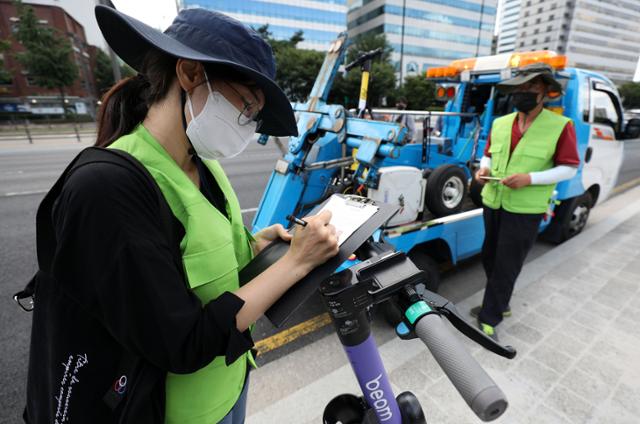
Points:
x=348 y=215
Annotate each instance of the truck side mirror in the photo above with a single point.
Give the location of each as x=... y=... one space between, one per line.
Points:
x=632 y=130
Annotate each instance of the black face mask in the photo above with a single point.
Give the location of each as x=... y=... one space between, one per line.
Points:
x=525 y=101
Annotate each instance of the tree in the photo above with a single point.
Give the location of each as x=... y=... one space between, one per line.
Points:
x=382 y=80
x=103 y=72
x=630 y=93
x=419 y=91
x=48 y=56
x=296 y=68
x=5 y=74
x=127 y=71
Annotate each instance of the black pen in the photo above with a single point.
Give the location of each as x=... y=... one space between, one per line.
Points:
x=298 y=221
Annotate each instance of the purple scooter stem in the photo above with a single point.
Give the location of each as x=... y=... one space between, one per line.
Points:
x=372 y=377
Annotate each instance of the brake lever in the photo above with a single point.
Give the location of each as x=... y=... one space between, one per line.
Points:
x=449 y=311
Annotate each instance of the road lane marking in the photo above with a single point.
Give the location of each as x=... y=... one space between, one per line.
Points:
x=23 y=193
x=290 y=334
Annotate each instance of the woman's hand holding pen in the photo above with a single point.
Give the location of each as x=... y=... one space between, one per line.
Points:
x=314 y=243
x=311 y=245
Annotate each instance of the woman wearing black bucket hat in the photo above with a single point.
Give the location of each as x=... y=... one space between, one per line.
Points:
x=124 y=331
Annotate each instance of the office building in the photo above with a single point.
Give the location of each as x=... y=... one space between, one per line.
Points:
x=598 y=35
x=320 y=21
x=508 y=26
x=435 y=31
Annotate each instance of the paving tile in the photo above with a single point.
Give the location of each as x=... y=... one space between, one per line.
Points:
x=524 y=333
x=627 y=326
x=565 y=343
x=539 y=322
x=578 y=331
x=521 y=397
x=431 y=409
x=627 y=397
x=611 y=348
x=490 y=361
x=565 y=272
x=554 y=312
x=543 y=414
x=631 y=313
x=552 y=358
x=580 y=289
x=612 y=262
x=444 y=393
x=633 y=268
x=567 y=304
x=608 y=300
x=575 y=409
x=607 y=412
x=590 y=320
x=620 y=288
x=428 y=366
x=535 y=374
x=598 y=273
x=602 y=369
x=593 y=390
x=409 y=377
x=604 y=312
x=626 y=275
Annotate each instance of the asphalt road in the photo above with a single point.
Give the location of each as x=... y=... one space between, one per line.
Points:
x=27 y=173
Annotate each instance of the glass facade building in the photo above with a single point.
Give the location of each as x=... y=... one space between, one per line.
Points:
x=320 y=20
x=435 y=31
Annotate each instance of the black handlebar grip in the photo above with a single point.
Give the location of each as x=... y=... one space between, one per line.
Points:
x=480 y=392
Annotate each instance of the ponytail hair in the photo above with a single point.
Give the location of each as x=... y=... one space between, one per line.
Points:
x=126 y=104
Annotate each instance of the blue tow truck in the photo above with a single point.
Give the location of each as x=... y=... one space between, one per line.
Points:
x=440 y=218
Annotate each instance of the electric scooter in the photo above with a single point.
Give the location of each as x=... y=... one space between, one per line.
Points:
x=387 y=275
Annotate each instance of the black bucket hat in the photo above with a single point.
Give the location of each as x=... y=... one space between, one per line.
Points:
x=211 y=38
x=528 y=73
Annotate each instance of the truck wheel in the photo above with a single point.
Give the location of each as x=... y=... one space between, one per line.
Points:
x=570 y=218
x=392 y=313
x=446 y=187
x=475 y=192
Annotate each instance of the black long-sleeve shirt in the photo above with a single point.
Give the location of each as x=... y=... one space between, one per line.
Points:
x=119 y=292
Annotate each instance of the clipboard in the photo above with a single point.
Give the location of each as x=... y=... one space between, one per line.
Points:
x=284 y=307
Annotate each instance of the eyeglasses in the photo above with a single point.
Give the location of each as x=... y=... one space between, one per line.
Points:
x=250 y=111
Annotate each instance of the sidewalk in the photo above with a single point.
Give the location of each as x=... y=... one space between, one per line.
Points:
x=576 y=315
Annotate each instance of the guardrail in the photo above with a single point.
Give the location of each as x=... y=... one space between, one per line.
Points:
x=30 y=132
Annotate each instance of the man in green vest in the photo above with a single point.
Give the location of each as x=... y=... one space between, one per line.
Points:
x=527 y=153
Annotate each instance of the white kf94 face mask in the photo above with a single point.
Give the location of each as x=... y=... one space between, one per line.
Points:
x=215 y=133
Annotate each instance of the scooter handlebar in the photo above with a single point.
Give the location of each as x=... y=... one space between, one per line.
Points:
x=480 y=392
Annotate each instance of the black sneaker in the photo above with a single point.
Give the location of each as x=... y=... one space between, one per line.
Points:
x=475 y=312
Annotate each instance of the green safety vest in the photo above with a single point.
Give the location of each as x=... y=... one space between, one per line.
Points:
x=213 y=250
x=533 y=153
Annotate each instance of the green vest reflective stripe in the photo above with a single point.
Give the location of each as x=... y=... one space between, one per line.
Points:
x=534 y=153
x=213 y=250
